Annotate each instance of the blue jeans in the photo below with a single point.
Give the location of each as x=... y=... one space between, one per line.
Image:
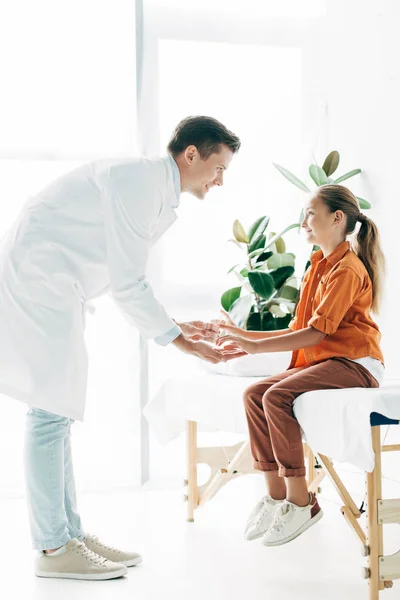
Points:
x=50 y=486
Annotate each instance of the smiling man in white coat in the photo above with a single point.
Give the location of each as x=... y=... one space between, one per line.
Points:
x=88 y=233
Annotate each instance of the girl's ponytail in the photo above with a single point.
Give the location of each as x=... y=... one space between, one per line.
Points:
x=368 y=250
x=367 y=245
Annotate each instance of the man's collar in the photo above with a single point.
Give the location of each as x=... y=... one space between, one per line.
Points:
x=176 y=177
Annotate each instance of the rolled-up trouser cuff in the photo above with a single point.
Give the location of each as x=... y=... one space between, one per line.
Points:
x=260 y=465
x=284 y=472
x=50 y=544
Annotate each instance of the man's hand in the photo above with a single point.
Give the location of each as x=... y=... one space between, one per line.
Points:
x=205 y=330
x=200 y=330
x=203 y=350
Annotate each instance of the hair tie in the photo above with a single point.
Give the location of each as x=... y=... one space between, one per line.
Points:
x=362 y=218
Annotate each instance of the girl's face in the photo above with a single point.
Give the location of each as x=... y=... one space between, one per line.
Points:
x=320 y=225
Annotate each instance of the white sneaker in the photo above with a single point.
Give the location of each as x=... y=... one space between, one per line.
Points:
x=76 y=561
x=129 y=559
x=261 y=518
x=291 y=521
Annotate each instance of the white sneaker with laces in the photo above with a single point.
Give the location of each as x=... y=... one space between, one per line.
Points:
x=291 y=520
x=129 y=559
x=76 y=561
x=261 y=517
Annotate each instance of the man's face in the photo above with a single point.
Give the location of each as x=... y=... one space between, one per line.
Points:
x=202 y=175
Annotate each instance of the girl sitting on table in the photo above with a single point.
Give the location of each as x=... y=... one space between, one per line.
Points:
x=335 y=344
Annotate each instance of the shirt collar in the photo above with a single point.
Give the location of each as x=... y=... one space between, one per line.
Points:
x=176 y=177
x=334 y=256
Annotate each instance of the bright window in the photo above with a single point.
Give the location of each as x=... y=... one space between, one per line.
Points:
x=257 y=92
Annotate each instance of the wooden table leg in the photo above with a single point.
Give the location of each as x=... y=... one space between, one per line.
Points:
x=374 y=531
x=191 y=457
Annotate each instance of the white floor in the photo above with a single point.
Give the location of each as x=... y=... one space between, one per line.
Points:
x=206 y=559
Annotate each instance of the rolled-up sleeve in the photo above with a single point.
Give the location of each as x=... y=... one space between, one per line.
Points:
x=132 y=205
x=341 y=289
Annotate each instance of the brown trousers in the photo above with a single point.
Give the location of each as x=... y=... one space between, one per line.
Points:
x=275 y=435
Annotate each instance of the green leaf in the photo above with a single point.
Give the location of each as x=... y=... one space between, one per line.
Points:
x=347 y=176
x=254 y=322
x=301 y=218
x=281 y=260
x=268 y=322
x=232 y=268
x=229 y=297
x=276 y=311
x=237 y=244
x=240 y=309
x=331 y=163
x=280 y=275
x=258 y=228
x=318 y=175
x=259 y=242
x=262 y=283
x=363 y=203
x=280 y=246
x=263 y=257
x=239 y=232
x=276 y=237
x=288 y=292
x=258 y=252
x=283 y=322
x=244 y=272
x=292 y=178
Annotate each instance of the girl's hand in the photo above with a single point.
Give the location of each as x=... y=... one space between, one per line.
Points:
x=227 y=318
x=233 y=330
x=230 y=344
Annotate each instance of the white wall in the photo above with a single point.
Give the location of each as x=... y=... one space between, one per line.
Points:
x=350 y=103
x=358 y=70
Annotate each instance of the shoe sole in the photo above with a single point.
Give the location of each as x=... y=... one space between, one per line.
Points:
x=254 y=536
x=91 y=577
x=296 y=534
x=131 y=563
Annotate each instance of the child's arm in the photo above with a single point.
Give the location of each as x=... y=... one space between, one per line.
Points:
x=254 y=335
x=277 y=343
x=292 y=341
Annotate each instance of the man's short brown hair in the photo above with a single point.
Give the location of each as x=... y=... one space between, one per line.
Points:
x=206 y=133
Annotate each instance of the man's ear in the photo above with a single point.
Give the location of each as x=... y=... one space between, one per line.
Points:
x=190 y=153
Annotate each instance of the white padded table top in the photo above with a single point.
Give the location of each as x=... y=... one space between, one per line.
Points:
x=335 y=422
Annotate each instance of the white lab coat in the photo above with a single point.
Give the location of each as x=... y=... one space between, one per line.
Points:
x=86 y=233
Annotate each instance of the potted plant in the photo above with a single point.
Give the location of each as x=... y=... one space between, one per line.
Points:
x=265 y=297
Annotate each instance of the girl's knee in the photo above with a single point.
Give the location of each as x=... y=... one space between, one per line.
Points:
x=250 y=395
x=274 y=398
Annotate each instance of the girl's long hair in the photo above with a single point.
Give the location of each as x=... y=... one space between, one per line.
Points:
x=366 y=244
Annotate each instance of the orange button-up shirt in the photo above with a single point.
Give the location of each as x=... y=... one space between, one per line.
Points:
x=336 y=299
